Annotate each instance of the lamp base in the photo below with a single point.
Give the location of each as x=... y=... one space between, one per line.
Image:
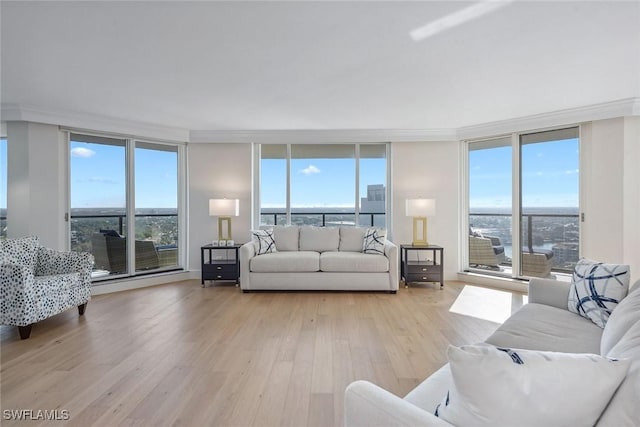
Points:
x=224 y=222
x=420 y=231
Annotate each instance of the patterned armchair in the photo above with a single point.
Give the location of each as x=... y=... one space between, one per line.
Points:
x=37 y=282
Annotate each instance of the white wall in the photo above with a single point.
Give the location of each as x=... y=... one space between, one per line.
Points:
x=631 y=196
x=610 y=192
x=36 y=194
x=217 y=171
x=602 y=190
x=430 y=170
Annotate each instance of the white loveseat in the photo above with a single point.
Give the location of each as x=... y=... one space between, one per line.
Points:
x=319 y=258
x=544 y=324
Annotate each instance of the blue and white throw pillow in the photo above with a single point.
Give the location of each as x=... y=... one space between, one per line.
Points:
x=526 y=388
x=596 y=289
x=374 y=239
x=263 y=241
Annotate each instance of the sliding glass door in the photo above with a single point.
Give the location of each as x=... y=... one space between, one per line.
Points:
x=539 y=235
x=549 y=202
x=98 y=181
x=490 y=205
x=125 y=204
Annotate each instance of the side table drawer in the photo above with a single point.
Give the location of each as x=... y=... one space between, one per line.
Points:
x=426 y=277
x=422 y=268
x=220 y=271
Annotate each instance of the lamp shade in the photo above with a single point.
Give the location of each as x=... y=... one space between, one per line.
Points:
x=420 y=207
x=224 y=207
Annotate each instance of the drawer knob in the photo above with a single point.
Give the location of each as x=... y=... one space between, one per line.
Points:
x=218 y=277
x=424 y=269
x=219 y=267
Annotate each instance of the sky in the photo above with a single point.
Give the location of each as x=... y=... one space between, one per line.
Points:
x=549 y=175
x=98 y=177
x=318 y=182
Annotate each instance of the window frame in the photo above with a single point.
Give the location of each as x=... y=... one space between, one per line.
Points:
x=516 y=197
x=256 y=199
x=130 y=144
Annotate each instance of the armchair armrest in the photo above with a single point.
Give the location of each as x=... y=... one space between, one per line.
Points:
x=51 y=262
x=549 y=292
x=18 y=294
x=366 y=404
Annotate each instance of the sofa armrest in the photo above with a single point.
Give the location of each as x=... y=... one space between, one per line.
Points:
x=391 y=252
x=247 y=251
x=549 y=292
x=366 y=404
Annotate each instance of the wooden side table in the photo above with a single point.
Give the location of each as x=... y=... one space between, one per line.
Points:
x=219 y=265
x=427 y=270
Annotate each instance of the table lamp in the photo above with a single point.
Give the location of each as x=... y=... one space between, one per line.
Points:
x=224 y=209
x=420 y=209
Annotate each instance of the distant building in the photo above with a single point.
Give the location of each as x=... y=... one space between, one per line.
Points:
x=375 y=200
x=566 y=253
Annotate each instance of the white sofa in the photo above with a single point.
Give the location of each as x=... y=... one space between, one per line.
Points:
x=544 y=324
x=319 y=258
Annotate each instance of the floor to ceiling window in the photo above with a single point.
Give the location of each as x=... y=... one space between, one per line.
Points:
x=538 y=235
x=3 y=188
x=490 y=205
x=322 y=184
x=124 y=197
x=549 y=202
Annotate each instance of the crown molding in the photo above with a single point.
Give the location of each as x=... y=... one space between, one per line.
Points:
x=601 y=111
x=74 y=119
x=307 y=136
x=81 y=120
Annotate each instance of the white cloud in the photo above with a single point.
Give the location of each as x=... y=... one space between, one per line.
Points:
x=311 y=169
x=101 y=180
x=82 y=152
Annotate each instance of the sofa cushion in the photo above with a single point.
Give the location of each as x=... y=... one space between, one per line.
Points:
x=22 y=252
x=508 y=387
x=285 y=262
x=353 y=262
x=626 y=313
x=286 y=237
x=373 y=242
x=351 y=239
x=319 y=239
x=623 y=409
x=596 y=288
x=263 y=241
x=542 y=327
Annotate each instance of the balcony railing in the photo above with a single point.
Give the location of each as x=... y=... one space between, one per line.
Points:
x=369 y=219
x=556 y=234
x=161 y=229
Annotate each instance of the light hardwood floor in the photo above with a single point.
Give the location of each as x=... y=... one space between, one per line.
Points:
x=183 y=355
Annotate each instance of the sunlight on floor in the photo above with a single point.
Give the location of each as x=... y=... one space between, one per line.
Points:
x=487 y=304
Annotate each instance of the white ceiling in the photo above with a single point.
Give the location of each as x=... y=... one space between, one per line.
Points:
x=316 y=64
